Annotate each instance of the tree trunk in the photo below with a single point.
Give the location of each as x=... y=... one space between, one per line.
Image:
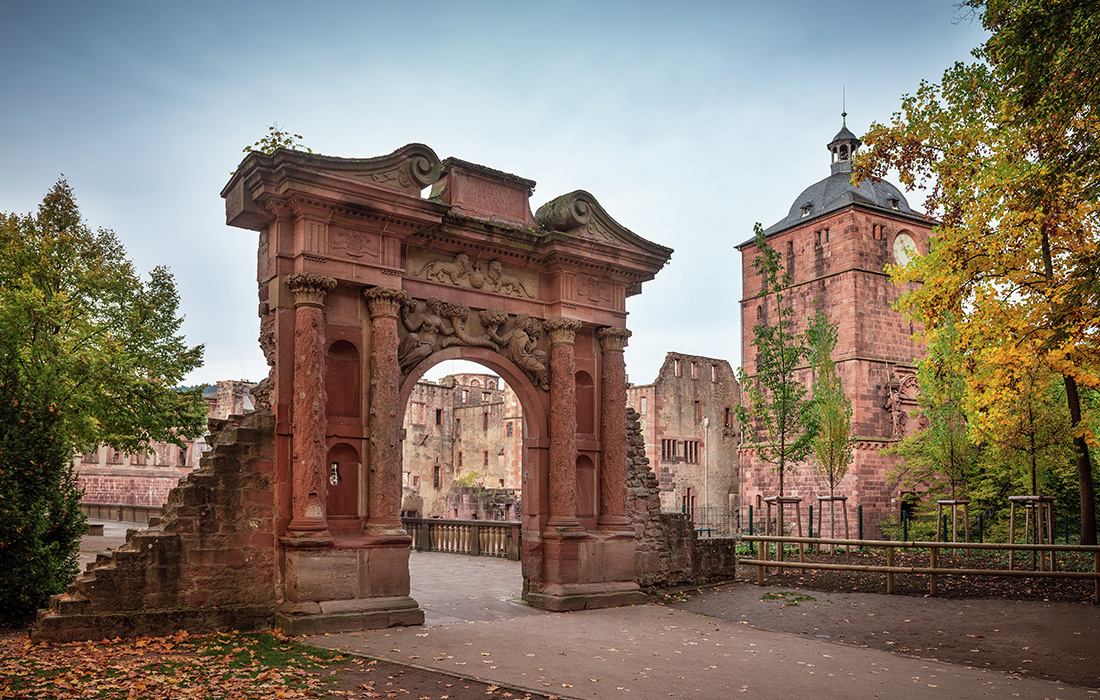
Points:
x=1084 y=466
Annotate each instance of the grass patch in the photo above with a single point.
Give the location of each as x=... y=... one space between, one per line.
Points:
x=789 y=598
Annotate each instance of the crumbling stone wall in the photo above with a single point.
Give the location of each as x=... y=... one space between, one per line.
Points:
x=208 y=563
x=667 y=551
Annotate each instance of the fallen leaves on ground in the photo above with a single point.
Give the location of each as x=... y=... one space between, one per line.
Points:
x=231 y=666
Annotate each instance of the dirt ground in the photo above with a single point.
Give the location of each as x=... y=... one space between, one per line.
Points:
x=1049 y=639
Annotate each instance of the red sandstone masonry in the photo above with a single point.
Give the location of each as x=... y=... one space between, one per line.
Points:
x=208 y=564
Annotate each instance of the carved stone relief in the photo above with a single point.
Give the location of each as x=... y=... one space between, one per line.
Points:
x=901 y=402
x=354 y=244
x=432 y=325
x=594 y=290
x=461 y=271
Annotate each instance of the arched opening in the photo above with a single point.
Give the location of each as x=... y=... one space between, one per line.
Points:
x=343 y=482
x=473 y=433
x=342 y=371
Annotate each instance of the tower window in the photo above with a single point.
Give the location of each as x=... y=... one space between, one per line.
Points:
x=509 y=430
x=643 y=406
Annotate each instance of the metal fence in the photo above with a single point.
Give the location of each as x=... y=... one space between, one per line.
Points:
x=711 y=521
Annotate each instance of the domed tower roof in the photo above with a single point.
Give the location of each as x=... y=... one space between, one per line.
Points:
x=837 y=190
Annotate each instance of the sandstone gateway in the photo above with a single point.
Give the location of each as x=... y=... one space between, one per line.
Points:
x=365 y=283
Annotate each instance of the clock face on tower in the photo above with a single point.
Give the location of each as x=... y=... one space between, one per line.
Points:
x=905 y=248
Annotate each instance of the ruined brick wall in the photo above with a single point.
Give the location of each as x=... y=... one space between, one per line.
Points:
x=428 y=443
x=695 y=433
x=667 y=551
x=449 y=418
x=208 y=563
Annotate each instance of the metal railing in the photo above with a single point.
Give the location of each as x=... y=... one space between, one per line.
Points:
x=765 y=561
x=710 y=521
x=478 y=538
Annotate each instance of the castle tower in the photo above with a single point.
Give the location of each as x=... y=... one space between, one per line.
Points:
x=836 y=242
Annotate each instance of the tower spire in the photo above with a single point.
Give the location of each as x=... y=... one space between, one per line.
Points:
x=843 y=106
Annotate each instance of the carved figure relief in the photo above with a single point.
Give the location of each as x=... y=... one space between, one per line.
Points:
x=501 y=281
x=900 y=401
x=456 y=272
x=432 y=325
x=464 y=272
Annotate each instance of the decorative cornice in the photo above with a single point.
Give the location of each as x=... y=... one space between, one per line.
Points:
x=562 y=331
x=309 y=289
x=579 y=214
x=383 y=301
x=613 y=339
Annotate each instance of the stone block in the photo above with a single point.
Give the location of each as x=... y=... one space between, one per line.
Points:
x=321 y=575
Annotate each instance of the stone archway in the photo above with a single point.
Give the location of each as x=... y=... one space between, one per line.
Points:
x=363 y=284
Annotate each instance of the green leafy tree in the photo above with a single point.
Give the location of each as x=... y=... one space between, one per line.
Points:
x=941 y=458
x=1009 y=148
x=90 y=354
x=832 y=446
x=277 y=138
x=777 y=399
x=40 y=517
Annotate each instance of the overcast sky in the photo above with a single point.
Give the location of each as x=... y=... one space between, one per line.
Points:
x=688 y=121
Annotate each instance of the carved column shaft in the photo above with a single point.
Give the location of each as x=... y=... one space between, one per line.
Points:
x=384 y=478
x=563 y=423
x=308 y=474
x=613 y=429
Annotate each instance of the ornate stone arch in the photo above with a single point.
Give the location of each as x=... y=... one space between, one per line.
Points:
x=352 y=256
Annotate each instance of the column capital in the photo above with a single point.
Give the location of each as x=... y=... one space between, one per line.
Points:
x=309 y=289
x=613 y=339
x=384 y=301
x=562 y=331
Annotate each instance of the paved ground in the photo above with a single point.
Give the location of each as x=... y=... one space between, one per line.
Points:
x=474 y=628
x=715 y=642
x=114 y=535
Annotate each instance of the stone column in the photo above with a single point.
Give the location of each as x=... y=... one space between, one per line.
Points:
x=563 y=424
x=384 y=429
x=309 y=478
x=613 y=465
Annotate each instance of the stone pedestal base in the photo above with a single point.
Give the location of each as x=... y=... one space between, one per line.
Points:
x=359 y=583
x=559 y=597
x=348 y=615
x=593 y=570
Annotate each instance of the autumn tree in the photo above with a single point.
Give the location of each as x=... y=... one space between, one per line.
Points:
x=1018 y=410
x=89 y=354
x=777 y=399
x=832 y=446
x=1008 y=149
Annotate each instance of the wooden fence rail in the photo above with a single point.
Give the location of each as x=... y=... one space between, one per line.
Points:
x=764 y=561
x=479 y=538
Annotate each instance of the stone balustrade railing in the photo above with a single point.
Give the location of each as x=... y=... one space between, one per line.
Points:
x=479 y=538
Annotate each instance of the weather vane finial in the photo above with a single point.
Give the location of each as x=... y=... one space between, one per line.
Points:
x=843 y=106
